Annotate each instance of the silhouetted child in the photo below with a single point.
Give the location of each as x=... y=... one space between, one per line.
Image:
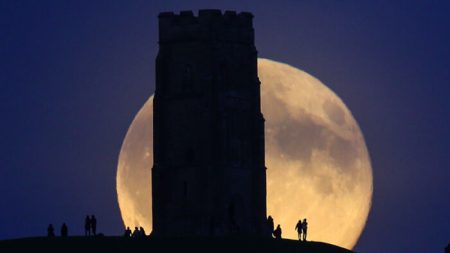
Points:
x=64 y=230
x=270 y=224
x=87 y=226
x=277 y=232
x=94 y=225
x=127 y=232
x=142 y=232
x=299 y=228
x=50 y=231
x=135 y=232
x=305 y=229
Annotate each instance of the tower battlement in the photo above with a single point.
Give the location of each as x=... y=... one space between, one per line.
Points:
x=208 y=25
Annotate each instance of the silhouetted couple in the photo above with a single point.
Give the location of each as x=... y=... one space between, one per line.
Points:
x=137 y=233
x=90 y=225
x=270 y=225
x=51 y=230
x=302 y=228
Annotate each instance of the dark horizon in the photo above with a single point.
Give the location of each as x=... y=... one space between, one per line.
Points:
x=74 y=74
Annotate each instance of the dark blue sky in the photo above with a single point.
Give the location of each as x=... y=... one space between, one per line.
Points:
x=74 y=73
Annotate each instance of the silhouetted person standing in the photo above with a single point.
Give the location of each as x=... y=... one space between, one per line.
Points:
x=64 y=230
x=299 y=228
x=142 y=232
x=135 y=232
x=87 y=226
x=94 y=225
x=270 y=225
x=305 y=229
x=50 y=231
x=127 y=232
x=277 y=232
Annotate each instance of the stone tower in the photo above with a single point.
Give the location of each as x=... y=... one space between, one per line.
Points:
x=209 y=175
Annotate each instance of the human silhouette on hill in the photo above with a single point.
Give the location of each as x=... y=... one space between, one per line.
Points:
x=64 y=230
x=87 y=226
x=50 y=231
x=135 y=232
x=304 y=229
x=270 y=225
x=277 y=232
x=127 y=232
x=94 y=225
x=141 y=232
x=299 y=228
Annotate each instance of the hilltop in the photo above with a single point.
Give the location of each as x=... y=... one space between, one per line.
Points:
x=197 y=245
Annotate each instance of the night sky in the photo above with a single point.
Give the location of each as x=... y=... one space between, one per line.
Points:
x=74 y=73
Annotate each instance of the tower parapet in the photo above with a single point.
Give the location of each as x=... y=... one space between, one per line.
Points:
x=209 y=25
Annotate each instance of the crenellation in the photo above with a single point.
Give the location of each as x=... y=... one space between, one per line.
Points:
x=166 y=14
x=229 y=13
x=209 y=13
x=209 y=24
x=185 y=18
x=246 y=14
x=186 y=14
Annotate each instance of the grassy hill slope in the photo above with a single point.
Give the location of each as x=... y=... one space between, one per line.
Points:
x=163 y=245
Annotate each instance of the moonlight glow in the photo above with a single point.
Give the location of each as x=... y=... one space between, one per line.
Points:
x=317 y=160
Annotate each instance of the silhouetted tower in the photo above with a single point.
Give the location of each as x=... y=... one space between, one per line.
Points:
x=209 y=175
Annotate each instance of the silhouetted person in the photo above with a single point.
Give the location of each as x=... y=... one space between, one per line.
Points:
x=135 y=232
x=270 y=225
x=299 y=228
x=50 y=231
x=141 y=232
x=64 y=230
x=87 y=226
x=127 y=232
x=94 y=225
x=304 y=229
x=277 y=232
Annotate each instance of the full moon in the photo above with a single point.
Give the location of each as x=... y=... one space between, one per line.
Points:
x=318 y=166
